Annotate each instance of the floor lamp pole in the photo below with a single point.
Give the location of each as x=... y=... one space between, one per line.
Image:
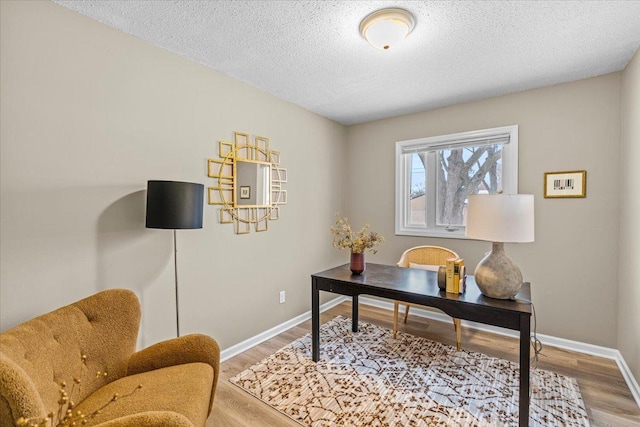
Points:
x=175 y=270
x=174 y=205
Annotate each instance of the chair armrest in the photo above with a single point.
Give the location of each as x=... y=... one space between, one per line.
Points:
x=150 y=419
x=177 y=351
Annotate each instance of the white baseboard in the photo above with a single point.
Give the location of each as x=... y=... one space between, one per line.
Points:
x=245 y=345
x=580 y=347
x=628 y=377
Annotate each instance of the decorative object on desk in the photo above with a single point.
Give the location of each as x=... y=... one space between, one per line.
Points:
x=454 y=276
x=250 y=181
x=345 y=238
x=500 y=218
x=462 y=285
x=570 y=184
x=174 y=205
x=449 y=270
x=367 y=378
x=442 y=278
x=357 y=264
x=458 y=276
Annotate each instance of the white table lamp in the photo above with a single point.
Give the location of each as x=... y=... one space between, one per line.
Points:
x=500 y=218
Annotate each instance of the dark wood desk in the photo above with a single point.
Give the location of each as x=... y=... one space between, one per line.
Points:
x=420 y=287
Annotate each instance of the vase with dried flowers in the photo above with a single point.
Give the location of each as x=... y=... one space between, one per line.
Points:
x=357 y=242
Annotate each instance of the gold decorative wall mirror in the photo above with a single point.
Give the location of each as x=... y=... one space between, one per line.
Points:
x=250 y=181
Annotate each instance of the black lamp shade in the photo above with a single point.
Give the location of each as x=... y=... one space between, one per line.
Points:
x=174 y=205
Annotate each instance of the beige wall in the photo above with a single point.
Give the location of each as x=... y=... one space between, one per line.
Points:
x=629 y=266
x=88 y=115
x=572 y=264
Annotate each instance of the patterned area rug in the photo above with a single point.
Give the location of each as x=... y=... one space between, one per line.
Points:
x=369 y=379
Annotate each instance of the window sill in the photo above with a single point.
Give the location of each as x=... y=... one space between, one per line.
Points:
x=442 y=234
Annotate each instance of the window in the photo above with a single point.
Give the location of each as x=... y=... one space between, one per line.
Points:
x=434 y=177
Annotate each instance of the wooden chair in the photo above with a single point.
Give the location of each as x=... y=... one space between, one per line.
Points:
x=426 y=258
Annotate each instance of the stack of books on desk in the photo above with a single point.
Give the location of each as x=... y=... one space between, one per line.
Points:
x=456 y=276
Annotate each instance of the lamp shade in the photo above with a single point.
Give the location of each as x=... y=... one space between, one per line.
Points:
x=174 y=205
x=500 y=218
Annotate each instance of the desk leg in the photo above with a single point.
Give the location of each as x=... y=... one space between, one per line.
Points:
x=315 y=321
x=354 y=313
x=525 y=354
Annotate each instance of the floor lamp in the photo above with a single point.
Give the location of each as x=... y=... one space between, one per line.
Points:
x=174 y=205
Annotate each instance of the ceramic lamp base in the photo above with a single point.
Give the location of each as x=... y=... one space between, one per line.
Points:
x=497 y=276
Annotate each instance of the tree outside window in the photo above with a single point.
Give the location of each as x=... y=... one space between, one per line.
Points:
x=441 y=179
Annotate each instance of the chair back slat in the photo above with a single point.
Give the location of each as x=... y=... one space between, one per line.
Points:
x=429 y=255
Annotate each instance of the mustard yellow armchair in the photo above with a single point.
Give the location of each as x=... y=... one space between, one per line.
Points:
x=178 y=376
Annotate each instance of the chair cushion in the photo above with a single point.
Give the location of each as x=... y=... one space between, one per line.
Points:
x=184 y=389
x=424 y=266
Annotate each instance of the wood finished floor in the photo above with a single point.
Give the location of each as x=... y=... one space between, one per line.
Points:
x=604 y=391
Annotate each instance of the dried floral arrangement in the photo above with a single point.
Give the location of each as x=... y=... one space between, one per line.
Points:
x=345 y=238
x=66 y=416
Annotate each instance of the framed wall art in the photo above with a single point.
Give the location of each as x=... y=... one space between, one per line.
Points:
x=569 y=184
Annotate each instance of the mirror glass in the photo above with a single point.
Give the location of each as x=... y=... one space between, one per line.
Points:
x=252 y=184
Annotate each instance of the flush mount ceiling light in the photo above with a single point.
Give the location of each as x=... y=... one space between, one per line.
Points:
x=385 y=28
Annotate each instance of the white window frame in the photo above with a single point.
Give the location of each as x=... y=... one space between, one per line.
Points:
x=506 y=135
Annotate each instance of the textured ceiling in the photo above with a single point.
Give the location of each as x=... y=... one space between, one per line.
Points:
x=311 y=53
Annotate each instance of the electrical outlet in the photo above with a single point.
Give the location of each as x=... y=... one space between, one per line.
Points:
x=282 y=297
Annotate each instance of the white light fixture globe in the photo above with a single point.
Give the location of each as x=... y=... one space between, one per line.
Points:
x=385 y=28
